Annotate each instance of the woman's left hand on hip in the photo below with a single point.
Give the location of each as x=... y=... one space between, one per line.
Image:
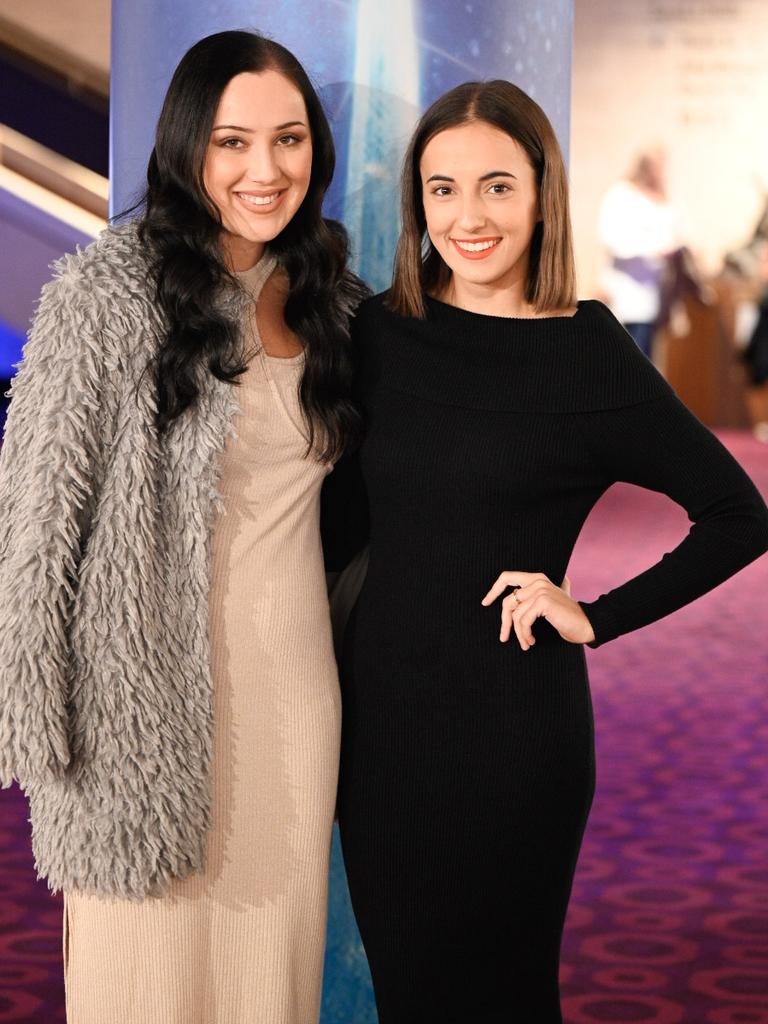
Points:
x=535 y=596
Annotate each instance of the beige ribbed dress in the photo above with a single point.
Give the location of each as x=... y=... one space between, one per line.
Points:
x=243 y=943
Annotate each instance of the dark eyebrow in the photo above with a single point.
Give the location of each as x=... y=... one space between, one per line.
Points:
x=497 y=174
x=239 y=128
x=483 y=177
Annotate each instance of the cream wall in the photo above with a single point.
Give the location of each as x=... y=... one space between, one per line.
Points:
x=691 y=75
x=69 y=35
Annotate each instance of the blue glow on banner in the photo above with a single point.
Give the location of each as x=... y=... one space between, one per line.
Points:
x=376 y=67
x=383 y=114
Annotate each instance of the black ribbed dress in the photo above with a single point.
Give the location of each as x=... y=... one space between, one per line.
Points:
x=467 y=765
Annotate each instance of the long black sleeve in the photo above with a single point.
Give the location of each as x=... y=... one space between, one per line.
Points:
x=660 y=445
x=567 y=406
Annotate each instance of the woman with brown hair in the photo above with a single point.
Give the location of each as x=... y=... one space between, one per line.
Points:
x=498 y=411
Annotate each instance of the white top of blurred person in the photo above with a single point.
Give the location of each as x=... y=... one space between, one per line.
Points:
x=637 y=222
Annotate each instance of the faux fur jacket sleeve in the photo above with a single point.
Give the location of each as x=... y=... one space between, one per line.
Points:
x=48 y=465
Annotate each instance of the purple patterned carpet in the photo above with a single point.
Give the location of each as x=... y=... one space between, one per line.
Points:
x=669 y=918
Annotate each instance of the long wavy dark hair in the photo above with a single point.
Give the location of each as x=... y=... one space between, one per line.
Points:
x=181 y=228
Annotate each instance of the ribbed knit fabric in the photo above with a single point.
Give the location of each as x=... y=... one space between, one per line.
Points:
x=244 y=941
x=467 y=764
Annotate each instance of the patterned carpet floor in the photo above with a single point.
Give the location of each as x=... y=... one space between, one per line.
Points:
x=669 y=917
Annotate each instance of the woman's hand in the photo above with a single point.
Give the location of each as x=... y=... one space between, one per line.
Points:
x=535 y=596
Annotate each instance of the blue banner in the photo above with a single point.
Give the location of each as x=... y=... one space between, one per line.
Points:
x=376 y=66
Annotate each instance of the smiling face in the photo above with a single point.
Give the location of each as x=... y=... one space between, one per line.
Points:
x=258 y=162
x=481 y=206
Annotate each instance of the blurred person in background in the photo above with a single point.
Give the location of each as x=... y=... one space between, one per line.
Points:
x=756 y=353
x=640 y=231
x=745 y=271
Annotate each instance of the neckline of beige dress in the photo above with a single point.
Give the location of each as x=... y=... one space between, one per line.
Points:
x=252 y=281
x=254 y=278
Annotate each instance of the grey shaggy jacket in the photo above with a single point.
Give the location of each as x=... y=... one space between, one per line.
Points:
x=105 y=689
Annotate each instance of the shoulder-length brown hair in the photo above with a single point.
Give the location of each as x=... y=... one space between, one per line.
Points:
x=419 y=268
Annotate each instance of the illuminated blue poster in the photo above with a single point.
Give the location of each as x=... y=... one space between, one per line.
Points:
x=377 y=66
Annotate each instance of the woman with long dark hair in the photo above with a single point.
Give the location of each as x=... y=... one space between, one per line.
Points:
x=169 y=698
x=498 y=410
